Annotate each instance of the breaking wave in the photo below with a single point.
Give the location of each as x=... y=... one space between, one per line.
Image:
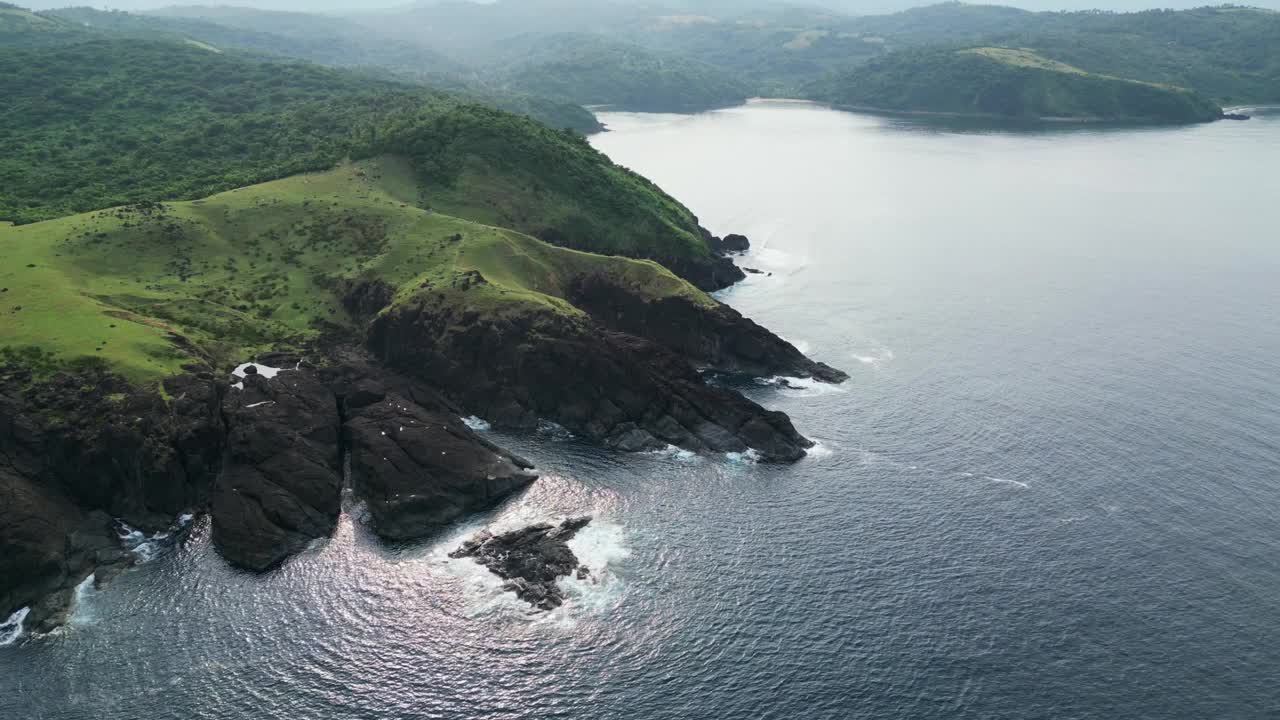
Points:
x=805 y=387
x=11 y=630
x=144 y=548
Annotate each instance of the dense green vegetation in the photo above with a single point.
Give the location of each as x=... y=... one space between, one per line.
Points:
x=107 y=123
x=546 y=57
x=146 y=288
x=324 y=40
x=19 y=27
x=104 y=123
x=321 y=39
x=589 y=70
x=1008 y=82
x=1229 y=53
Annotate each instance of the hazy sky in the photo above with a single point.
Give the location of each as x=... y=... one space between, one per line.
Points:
x=296 y=5
x=864 y=6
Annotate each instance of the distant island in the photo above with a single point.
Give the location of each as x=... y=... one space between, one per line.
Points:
x=1008 y=83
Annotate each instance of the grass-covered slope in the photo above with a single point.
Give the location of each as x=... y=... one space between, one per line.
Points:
x=107 y=123
x=1008 y=82
x=591 y=70
x=146 y=289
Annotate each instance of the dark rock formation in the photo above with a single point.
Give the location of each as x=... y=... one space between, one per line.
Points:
x=710 y=273
x=418 y=468
x=281 y=483
x=266 y=459
x=719 y=338
x=365 y=298
x=78 y=450
x=531 y=560
x=625 y=391
x=731 y=243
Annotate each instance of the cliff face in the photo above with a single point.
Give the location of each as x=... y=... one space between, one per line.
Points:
x=719 y=338
x=265 y=460
x=410 y=319
x=625 y=391
x=78 y=451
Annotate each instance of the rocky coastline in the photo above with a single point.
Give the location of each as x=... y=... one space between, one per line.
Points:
x=267 y=455
x=531 y=560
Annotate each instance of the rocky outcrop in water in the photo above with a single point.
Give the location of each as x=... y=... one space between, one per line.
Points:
x=416 y=465
x=532 y=560
x=265 y=457
x=730 y=244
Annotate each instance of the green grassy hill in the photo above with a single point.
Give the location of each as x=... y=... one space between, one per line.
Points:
x=108 y=123
x=145 y=289
x=590 y=70
x=1010 y=83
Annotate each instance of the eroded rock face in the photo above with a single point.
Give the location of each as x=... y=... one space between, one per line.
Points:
x=532 y=560
x=731 y=243
x=281 y=483
x=419 y=469
x=77 y=451
x=719 y=338
x=619 y=389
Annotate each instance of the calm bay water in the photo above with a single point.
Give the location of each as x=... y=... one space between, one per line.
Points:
x=1050 y=488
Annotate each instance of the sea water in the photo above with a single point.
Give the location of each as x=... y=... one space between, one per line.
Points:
x=1048 y=490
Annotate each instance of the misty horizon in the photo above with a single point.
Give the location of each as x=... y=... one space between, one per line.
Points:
x=853 y=7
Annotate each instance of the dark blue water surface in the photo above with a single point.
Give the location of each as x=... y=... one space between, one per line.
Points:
x=1050 y=489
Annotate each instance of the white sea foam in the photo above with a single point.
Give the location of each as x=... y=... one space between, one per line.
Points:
x=81 y=605
x=553 y=430
x=477 y=424
x=803 y=346
x=11 y=630
x=750 y=457
x=144 y=548
x=1003 y=481
x=675 y=453
x=875 y=358
x=820 y=451
x=600 y=546
x=804 y=387
x=772 y=260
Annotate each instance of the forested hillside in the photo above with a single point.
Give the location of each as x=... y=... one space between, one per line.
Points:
x=1008 y=83
x=106 y=123
x=590 y=70
x=1229 y=53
